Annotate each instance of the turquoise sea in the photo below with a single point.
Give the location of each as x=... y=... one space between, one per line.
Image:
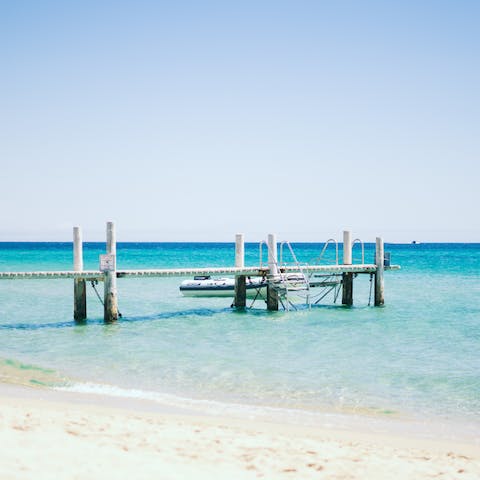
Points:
x=414 y=362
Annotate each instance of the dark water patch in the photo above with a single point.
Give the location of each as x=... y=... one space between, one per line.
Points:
x=197 y=312
x=41 y=326
x=203 y=312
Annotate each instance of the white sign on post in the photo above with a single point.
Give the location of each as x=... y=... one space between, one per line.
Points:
x=107 y=263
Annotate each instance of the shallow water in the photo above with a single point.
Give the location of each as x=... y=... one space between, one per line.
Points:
x=417 y=357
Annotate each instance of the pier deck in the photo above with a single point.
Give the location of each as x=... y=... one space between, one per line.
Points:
x=277 y=285
x=188 y=272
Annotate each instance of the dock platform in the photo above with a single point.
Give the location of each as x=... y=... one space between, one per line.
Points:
x=276 y=273
x=189 y=272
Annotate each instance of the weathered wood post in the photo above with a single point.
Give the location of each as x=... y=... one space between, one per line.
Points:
x=272 y=294
x=79 y=286
x=379 y=262
x=110 y=312
x=240 y=300
x=347 y=278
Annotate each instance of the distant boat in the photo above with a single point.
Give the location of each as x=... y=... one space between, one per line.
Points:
x=414 y=242
x=206 y=286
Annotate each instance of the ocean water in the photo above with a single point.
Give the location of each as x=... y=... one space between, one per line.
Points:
x=416 y=360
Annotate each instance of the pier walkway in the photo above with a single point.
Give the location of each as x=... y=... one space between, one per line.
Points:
x=189 y=272
x=276 y=273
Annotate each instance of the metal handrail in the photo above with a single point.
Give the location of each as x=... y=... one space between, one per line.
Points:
x=285 y=242
x=285 y=280
x=328 y=242
x=262 y=242
x=357 y=240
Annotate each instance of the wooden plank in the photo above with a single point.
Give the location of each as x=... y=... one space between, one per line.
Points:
x=79 y=300
x=273 y=271
x=188 y=272
x=347 y=247
x=185 y=272
x=248 y=271
x=379 y=282
x=272 y=254
x=272 y=297
x=347 y=289
x=79 y=286
x=110 y=311
x=347 y=278
x=54 y=275
x=240 y=300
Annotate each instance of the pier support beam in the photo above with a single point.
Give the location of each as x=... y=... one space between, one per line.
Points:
x=347 y=278
x=110 y=313
x=272 y=294
x=79 y=286
x=379 y=261
x=240 y=300
x=272 y=298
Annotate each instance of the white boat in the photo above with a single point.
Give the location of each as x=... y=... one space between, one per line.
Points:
x=206 y=286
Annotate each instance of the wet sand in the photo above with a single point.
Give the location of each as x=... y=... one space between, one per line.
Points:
x=49 y=434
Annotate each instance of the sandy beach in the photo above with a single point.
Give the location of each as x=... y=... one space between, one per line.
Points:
x=47 y=434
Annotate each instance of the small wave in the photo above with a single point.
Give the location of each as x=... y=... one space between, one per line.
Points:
x=364 y=421
x=211 y=407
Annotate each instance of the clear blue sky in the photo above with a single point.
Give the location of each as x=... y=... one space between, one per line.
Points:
x=196 y=120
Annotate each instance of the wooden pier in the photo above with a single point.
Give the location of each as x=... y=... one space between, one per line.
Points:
x=273 y=272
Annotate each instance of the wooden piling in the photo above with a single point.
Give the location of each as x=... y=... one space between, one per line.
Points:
x=79 y=286
x=110 y=282
x=379 y=283
x=347 y=247
x=272 y=293
x=240 y=300
x=347 y=278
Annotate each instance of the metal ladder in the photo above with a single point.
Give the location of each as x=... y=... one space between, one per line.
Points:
x=289 y=285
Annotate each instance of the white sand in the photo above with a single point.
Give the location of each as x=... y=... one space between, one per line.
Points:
x=60 y=439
